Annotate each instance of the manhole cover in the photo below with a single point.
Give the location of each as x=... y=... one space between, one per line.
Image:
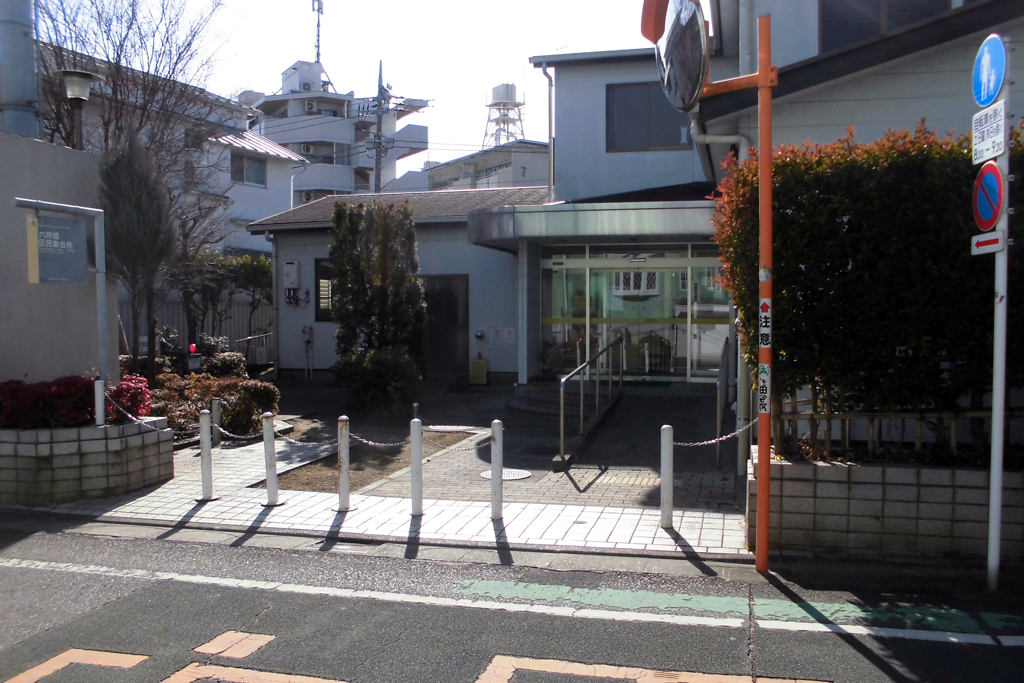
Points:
x=507 y=474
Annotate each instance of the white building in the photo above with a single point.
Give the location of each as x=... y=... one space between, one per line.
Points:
x=330 y=131
x=471 y=302
x=627 y=252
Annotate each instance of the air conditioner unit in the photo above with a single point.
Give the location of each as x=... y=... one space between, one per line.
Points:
x=307 y=148
x=310 y=105
x=307 y=87
x=307 y=196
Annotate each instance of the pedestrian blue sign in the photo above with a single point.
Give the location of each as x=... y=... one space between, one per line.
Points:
x=989 y=70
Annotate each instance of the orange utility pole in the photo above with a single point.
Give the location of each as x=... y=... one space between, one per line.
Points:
x=652 y=26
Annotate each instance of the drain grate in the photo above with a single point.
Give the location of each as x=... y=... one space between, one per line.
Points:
x=508 y=474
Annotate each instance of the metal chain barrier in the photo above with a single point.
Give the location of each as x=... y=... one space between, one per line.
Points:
x=379 y=445
x=456 y=448
x=721 y=438
x=191 y=438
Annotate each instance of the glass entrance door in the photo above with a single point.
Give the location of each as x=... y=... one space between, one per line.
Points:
x=673 y=318
x=649 y=310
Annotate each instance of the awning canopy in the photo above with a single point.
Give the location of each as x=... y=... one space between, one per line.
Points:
x=641 y=222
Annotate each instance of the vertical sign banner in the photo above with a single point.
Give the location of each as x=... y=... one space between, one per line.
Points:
x=33 y=249
x=764 y=341
x=764 y=324
x=764 y=388
x=59 y=253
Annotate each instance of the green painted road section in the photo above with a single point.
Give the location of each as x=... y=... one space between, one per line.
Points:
x=915 y=617
x=606 y=597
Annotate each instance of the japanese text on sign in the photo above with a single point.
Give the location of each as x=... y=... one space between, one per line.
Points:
x=60 y=251
x=988 y=132
x=764 y=323
x=764 y=388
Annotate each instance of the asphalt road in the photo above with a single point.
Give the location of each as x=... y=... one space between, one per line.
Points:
x=369 y=614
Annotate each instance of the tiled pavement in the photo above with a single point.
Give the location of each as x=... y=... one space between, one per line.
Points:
x=556 y=511
x=457 y=475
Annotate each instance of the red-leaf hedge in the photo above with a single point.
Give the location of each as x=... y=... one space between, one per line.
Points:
x=877 y=297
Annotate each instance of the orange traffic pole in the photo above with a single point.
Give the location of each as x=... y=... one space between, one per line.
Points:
x=764 y=360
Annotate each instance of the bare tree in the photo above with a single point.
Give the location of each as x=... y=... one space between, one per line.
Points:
x=150 y=59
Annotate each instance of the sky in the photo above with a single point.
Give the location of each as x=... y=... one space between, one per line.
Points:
x=451 y=52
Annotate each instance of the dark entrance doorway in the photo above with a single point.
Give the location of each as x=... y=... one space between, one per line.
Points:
x=446 y=335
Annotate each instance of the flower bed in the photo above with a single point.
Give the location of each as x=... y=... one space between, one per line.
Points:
x=842 y=509
x=45 y=466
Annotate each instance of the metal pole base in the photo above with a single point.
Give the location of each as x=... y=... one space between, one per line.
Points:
x=273 y=505
x=207 y=500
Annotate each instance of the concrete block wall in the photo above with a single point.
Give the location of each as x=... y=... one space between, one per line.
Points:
x=44 y=466
x=822 y=508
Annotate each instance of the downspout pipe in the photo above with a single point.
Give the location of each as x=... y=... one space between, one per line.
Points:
x=551 y=132
x=19 y=89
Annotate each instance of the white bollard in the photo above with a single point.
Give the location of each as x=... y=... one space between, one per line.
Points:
x=667 y=477
x=497 y=455
x=416 y=444
x=270 y=455
x=343 y=464
x=99 y=402
x=206 y=455
x=215 y=418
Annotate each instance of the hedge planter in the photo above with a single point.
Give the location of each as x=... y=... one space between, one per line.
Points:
x=44 y=466
x=893 y=510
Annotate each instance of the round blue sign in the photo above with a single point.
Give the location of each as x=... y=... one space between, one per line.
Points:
x=989 y=70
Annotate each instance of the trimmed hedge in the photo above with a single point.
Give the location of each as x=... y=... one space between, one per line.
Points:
x=181 y=398
x=62 y=402
x=878 y=302
x=229 y=364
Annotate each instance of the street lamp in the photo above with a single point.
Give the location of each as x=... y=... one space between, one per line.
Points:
x=76 y=88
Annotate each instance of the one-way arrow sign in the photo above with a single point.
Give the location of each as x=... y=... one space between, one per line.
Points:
x=988 y=243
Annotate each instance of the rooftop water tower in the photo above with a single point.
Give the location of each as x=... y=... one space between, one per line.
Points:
x=504 y=117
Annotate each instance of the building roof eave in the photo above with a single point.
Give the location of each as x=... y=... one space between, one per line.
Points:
x=794 y=78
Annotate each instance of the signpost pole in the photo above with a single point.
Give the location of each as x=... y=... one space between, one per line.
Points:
x=995 y=492
x=764 y=184
x=677 y=69
x=101 y=296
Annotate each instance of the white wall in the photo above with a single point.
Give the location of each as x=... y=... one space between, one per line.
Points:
x=935 y=84
x=794 y=29
x=443 y=250
x=47 y=331
x=304 y=248
x=582 y=166
x=251 y=203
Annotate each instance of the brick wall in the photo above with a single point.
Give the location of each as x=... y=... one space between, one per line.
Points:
x=885 y=509
x=43 y=466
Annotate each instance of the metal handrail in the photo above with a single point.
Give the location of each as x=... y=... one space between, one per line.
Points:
x=597 y=387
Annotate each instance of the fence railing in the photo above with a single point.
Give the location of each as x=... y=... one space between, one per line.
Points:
x=597 y=388
x=874 y=424
x=252 y=347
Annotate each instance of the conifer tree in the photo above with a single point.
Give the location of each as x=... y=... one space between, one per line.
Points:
x=139 y=234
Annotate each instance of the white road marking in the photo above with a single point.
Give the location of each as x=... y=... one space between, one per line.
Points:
x=551 y=610
x=854 y=630
x=607 y=615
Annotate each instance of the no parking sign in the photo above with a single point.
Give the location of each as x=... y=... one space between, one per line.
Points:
x=988 y=196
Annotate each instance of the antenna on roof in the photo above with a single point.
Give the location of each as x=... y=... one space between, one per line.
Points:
x=318 y=7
